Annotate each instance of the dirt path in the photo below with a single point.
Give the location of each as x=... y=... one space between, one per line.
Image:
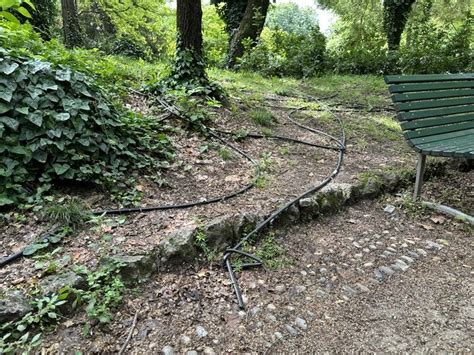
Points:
x=362 y=280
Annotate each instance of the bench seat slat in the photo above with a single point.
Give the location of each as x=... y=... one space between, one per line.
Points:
x=441 y=137
x=459 y=142
x=397 y=79
x=452 y=147
x=452 y=151
x=438 y=121
x=410 y=106
x=431 y=131
x=430 y=95
x=444 y=111
x=430 y=86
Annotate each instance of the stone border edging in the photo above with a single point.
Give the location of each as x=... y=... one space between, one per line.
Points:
x=180 y=246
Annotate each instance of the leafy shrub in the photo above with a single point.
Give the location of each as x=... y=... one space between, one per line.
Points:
x=357 y=46
x=292 y=18
x=216 y=39
x=431 y=48
x=125 y=46
x=56 y=125
x=281 y=53
x=149 y=24
x=116 y=73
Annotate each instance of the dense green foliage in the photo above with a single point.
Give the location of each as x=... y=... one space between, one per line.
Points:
x=282 y=53
x=55 y=124
x=142 y=29
x=438 y=37
x=292 y=19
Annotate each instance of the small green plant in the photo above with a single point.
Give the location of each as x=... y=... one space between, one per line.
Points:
x=202 y=243
x=272 y=254
x=47 y=262
x=262 y=117
x=25 y=334
x=225 y=154
x=44 y=243
x=266 y=162
x=411 y=207
x=66 y=210
x=262 y=181
x=104 y=292
x=284 y=150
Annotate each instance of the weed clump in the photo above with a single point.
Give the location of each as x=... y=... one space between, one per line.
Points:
x=262 y=117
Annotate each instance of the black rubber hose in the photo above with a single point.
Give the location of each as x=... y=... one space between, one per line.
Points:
x=43 y=239
x=236 y=249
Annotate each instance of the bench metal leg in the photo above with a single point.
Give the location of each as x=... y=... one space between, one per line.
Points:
x=420 y=170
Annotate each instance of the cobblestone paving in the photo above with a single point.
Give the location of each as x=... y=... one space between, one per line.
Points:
x=365 y=279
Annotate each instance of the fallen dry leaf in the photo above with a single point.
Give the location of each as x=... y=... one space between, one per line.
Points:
x=438 y=219
x=426 y=226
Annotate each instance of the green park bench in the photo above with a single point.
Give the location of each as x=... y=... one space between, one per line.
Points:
x=436 y=114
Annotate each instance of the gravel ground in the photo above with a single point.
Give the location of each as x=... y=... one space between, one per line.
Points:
x=362 y=280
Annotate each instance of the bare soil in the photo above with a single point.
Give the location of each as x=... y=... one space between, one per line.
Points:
x=202 y=171
x=330 y=283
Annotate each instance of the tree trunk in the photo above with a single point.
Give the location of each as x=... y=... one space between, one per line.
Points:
x=395 y=16
x=189 y=25
x=71 y=28
x=250 y=27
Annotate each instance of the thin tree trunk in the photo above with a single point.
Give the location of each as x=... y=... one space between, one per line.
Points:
x=250 y=27
x=189 y=25
x=71 y=28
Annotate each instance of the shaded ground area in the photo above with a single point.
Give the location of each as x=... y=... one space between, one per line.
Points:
x=325 y=286
x=204 y=168
x=329 y=291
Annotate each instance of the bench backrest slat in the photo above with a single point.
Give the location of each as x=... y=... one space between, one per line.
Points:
x=420 y=105
x=436 y=112
x=437 y=121
x=443 y=111
x=397 y=79
x=431 y=95
x=430 y=86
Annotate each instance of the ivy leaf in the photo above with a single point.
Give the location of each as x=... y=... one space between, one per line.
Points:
x=63 y=116
x=23 y=110
x=33 y=248
x=8 y=68
x=6 y=94
x=4 y=108
x=61 y=168
x=35 y=118
x=18 y=150
x=63 y=75
x=10 y=122
x=40 y=156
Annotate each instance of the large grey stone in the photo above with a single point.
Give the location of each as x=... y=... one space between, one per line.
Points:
x=135 y=268
x=13 y=305
x=178 y=245
x=220 y=232
x=287 y=217
x=53 y=283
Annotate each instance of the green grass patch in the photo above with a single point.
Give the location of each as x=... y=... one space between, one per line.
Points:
x=262 y=117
